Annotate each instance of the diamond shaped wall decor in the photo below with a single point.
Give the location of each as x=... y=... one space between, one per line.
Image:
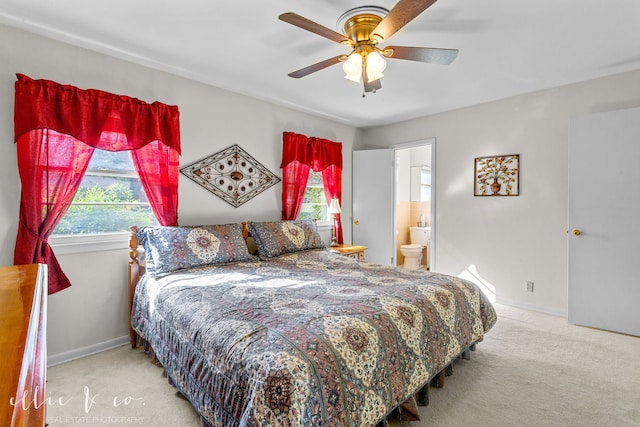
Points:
x=231 y=174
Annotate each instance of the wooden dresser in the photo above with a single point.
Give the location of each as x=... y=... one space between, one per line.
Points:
x=23 y=345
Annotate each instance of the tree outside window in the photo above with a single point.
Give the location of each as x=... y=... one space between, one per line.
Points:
x=314 y=204
x=109 y=200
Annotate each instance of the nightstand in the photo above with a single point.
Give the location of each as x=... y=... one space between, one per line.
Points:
x=352 y=251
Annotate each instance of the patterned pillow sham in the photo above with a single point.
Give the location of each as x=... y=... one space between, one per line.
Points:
x=173 y=248
x=274 y=238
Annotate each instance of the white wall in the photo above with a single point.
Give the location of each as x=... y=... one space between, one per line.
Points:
x=509 y=240
x=93 y=311
x=403 y=175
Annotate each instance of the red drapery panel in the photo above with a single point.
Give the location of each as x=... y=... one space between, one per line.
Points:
x=51 y=166
x=158 y=167
x=294 y=174
x=301 y=153
x=332 y=182
x=57 y=128
x=294 y=183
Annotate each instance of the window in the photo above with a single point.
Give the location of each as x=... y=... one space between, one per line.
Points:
x=109 y=200
x=314 y=204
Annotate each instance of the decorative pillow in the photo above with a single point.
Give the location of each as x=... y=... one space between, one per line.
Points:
x=173 y=248
x=281 y=237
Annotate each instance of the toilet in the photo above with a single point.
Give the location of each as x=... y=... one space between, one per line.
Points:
x=412 y=253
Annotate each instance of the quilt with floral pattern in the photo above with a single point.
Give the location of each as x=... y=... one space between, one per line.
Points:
x=306 y=339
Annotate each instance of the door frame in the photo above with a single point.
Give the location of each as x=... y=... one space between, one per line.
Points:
x=430 y=141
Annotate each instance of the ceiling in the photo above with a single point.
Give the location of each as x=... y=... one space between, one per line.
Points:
x=506 y=48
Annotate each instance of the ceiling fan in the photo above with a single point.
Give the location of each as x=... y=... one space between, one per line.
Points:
x=364 y=29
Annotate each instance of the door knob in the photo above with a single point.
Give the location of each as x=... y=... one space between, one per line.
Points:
x=356 y=222
x=576 y=232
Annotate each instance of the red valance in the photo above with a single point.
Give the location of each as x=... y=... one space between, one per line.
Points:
x=317 y=153
x=86 y=114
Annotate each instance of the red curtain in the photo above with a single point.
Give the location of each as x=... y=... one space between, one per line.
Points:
x=51 y=166
x=158 y=166
x=295 y=173
x=332 y=182
x=294 y=182
x=57 y=128
x=300 y=154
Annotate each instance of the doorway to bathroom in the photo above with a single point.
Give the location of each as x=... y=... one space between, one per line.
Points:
x=384 y=209
x=414 y=207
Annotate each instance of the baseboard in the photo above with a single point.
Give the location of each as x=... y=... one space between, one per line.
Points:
x=533 y=307
x=68 y=356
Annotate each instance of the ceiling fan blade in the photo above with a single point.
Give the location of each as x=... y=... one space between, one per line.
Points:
x=306 y=24
x=402 y=13
x=316 y=67
x=431 y=55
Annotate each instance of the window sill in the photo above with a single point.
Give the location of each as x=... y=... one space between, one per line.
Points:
x=65 y=245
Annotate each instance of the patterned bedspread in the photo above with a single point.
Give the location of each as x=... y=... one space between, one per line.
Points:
x=306 y=339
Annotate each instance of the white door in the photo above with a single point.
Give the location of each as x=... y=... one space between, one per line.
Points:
x=373 y=204
x=604 y=221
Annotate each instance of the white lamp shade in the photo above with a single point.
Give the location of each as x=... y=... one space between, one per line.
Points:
x=352 y=67
x=375 y=66
x=334 y=207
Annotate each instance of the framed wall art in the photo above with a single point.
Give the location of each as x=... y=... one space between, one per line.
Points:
x=497 y=175
x=231 y=174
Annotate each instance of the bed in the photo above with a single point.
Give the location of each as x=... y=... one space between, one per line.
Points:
x=294 y=335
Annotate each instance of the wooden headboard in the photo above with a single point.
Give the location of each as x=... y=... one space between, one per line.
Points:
x=137 y=269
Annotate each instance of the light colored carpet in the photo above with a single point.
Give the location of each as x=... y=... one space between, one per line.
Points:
x=532 y=369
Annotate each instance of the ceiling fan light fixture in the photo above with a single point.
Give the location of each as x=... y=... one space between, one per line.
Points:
x=362 y=29
x=375 y=66
x=352 y=67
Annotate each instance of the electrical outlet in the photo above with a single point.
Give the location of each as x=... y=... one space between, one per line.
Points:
x=528 y=286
